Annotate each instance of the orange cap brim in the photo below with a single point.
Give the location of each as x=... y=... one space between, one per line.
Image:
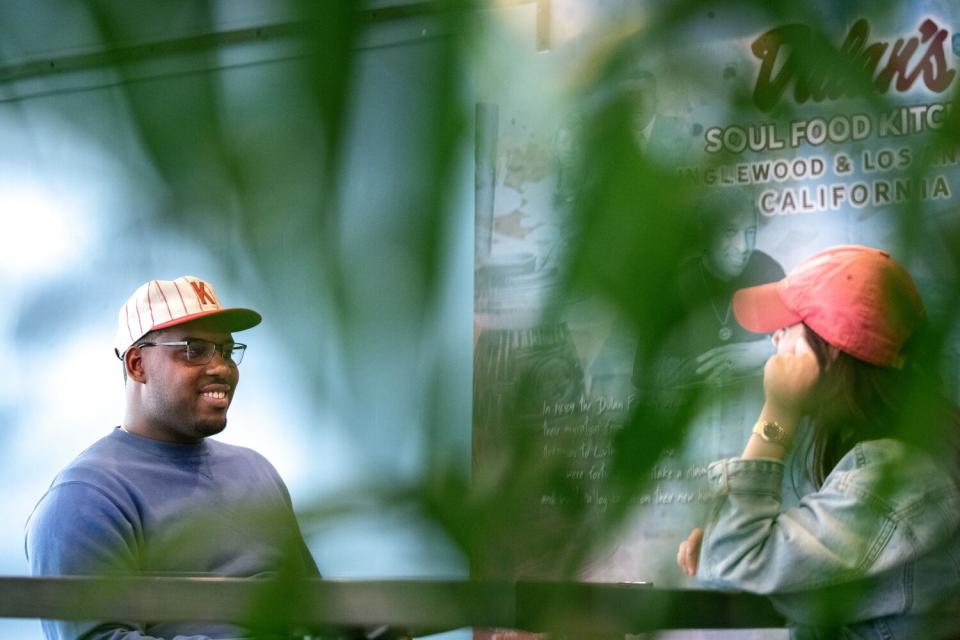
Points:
x=761 y=309
x=233 y=319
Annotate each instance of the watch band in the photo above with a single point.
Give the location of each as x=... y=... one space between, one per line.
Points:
x=772 y=431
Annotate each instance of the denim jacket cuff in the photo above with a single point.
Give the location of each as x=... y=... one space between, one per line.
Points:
x=735 y=475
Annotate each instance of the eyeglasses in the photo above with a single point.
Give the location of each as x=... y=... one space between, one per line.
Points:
x=200 y=352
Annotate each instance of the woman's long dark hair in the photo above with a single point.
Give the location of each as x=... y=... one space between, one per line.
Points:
x=857 y=401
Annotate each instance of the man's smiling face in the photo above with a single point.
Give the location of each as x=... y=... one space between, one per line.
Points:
x=183 y=401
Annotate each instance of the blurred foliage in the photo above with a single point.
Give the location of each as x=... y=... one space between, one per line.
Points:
x=214 y=149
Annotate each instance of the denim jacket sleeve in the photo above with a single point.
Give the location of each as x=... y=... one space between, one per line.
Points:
x=882 y=505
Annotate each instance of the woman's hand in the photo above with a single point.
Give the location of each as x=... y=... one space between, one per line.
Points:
x=688 y=556
x=789 y=378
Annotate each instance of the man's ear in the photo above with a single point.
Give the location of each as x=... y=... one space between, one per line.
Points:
x=133 y=361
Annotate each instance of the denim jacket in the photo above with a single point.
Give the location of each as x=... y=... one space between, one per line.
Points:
x=876 y=550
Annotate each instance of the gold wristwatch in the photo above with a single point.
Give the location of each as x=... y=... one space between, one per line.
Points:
x=772 y=432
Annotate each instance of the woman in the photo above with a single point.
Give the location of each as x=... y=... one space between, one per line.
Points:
x=872 y=548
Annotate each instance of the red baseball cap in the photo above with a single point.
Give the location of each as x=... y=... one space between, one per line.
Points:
x=159 y=304
x=858 y=299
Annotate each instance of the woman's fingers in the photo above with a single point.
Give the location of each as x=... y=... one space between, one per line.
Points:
x=790 y=378
x=688 y=554
x=693 y=550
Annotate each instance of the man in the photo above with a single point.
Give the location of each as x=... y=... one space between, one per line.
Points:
x=710 y=346
x=156 y=496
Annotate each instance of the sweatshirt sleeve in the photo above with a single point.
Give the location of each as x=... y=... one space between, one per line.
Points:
x=308 y=565
x=76 y=529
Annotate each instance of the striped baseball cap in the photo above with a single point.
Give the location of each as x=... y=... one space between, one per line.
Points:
x=160 y=304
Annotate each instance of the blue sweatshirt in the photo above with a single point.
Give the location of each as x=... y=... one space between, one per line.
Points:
x=136 y=506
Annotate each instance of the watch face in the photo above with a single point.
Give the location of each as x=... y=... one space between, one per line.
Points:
x=773 y=432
